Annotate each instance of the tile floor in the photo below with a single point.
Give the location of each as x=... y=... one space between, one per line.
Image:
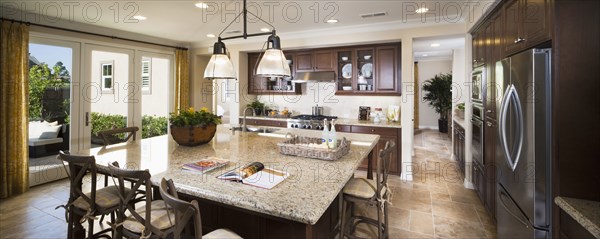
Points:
x=434 y=205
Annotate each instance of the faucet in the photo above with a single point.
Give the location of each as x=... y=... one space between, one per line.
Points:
x=244 y=122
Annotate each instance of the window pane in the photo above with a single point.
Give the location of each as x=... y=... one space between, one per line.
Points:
x=104 y=70
x=107 y=82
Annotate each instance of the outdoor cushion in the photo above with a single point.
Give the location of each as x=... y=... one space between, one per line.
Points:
x=50 y=132
x=38 y=142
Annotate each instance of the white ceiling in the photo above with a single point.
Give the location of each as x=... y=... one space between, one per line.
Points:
x=183 y=22
x=423 y=50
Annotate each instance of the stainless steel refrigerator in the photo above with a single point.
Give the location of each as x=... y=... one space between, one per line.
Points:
x=523 y=151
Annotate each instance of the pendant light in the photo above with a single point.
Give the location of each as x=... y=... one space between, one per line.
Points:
x=219 y=66
x=272 y=63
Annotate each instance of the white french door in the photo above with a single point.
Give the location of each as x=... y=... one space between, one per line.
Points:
x=110 y=92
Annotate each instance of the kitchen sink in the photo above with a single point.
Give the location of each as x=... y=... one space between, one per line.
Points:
x=255 y=129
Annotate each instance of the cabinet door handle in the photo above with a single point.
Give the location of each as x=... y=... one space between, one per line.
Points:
x=373 y=130
x=519 y=40
x=489 y=111
x=489 y=124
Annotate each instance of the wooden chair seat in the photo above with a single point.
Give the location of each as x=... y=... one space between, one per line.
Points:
x=362 y=188
x=220 y=234
x=159 y=217
x=107 y=197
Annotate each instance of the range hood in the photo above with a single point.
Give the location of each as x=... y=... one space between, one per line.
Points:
x=321 y=76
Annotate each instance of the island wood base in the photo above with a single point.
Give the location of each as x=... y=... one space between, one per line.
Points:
x=249 y=224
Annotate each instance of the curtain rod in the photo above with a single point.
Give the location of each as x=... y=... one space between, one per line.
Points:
x=93 y=34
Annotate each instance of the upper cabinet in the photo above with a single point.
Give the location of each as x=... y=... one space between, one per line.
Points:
x=526 y=24
x=310 y=61
x=369 y=70
x=359 y=70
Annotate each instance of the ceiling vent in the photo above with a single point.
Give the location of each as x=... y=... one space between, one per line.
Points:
x=374 y=14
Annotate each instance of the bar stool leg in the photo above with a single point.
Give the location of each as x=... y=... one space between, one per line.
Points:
x=343 y=219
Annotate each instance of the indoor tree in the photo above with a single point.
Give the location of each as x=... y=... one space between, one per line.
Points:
x=439 y=95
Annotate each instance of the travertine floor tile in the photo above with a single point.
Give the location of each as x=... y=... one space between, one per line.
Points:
x=421 y=222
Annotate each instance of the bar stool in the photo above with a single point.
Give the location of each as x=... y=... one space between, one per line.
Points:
x=147 y=221
x=186 y=211
x=373 y=193
x=86 y=206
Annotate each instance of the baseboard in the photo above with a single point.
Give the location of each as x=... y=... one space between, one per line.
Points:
x=468 y=184
x=406 y=177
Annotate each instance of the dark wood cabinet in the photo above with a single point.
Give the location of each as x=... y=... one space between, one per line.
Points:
x=385 y=134
x=571 y=229
x=386 y=69
x=478 y=180
x=265 y=122
x=477 y=46
x=258 y=85
x=526 y=24
x=458 y=148
x=489 y=165
x=318 y=60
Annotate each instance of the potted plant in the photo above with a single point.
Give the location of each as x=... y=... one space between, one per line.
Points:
x=191 y=128
x=257 y=106
x=439 y=95
x=460 y=112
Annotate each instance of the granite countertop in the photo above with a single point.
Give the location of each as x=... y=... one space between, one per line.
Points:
x=460 y=121
x=303 y=197
x=585 y=212
x=343 y=121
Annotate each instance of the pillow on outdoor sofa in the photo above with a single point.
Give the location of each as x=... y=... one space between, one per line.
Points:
x=50 y=132
x=55 y=123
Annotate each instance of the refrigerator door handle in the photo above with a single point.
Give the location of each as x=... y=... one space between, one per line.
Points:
x=505 y=201
x=511 y=97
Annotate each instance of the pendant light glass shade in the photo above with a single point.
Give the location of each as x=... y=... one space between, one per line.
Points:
x=219 y=66
x=273 y=63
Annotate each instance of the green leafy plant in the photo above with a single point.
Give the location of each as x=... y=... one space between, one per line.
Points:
x=154 y=126
x=461 y=106
x=190 y=117
x=102 y=122
x=42 y=77
x=256 y=104
x=438 y=93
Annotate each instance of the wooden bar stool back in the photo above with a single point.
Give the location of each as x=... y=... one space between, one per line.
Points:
x=82 y=206
x=370 y=192
x=186 y=212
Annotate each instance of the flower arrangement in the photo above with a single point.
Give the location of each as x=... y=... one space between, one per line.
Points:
x=191 y=117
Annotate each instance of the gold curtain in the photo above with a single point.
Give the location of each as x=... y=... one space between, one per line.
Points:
x=182 y=80
x=416 y=94
x=14 y=91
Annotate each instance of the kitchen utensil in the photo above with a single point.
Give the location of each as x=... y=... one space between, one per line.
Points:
x=347 y=71
x=369 y=87
x=363 y=87
x=367 y=70
x=317 y=110
x=367 y=57
x=347 y=87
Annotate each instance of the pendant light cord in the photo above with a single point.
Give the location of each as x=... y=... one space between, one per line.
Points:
x=245 y=31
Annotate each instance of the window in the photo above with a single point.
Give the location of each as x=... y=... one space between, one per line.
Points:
x=106 y=79
x=146 y=78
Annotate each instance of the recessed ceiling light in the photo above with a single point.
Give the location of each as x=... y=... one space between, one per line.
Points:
x=139 y=17
x=435 y=45
x=210 y=35
x=264 y=29
x=422 y=10
x=332 y=21
x=201 y=5
x=425 y=55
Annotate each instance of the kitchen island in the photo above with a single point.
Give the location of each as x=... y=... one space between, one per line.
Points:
x=305 y=205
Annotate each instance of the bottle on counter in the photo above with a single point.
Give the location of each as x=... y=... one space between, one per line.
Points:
x=325 y=138
x=378 y=112
x=332 y=135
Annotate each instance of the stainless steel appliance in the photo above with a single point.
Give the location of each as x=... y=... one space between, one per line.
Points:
x=317 y=110
x=523 y=150
x=477 y=81
x=308 y=121
x=477 y=135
